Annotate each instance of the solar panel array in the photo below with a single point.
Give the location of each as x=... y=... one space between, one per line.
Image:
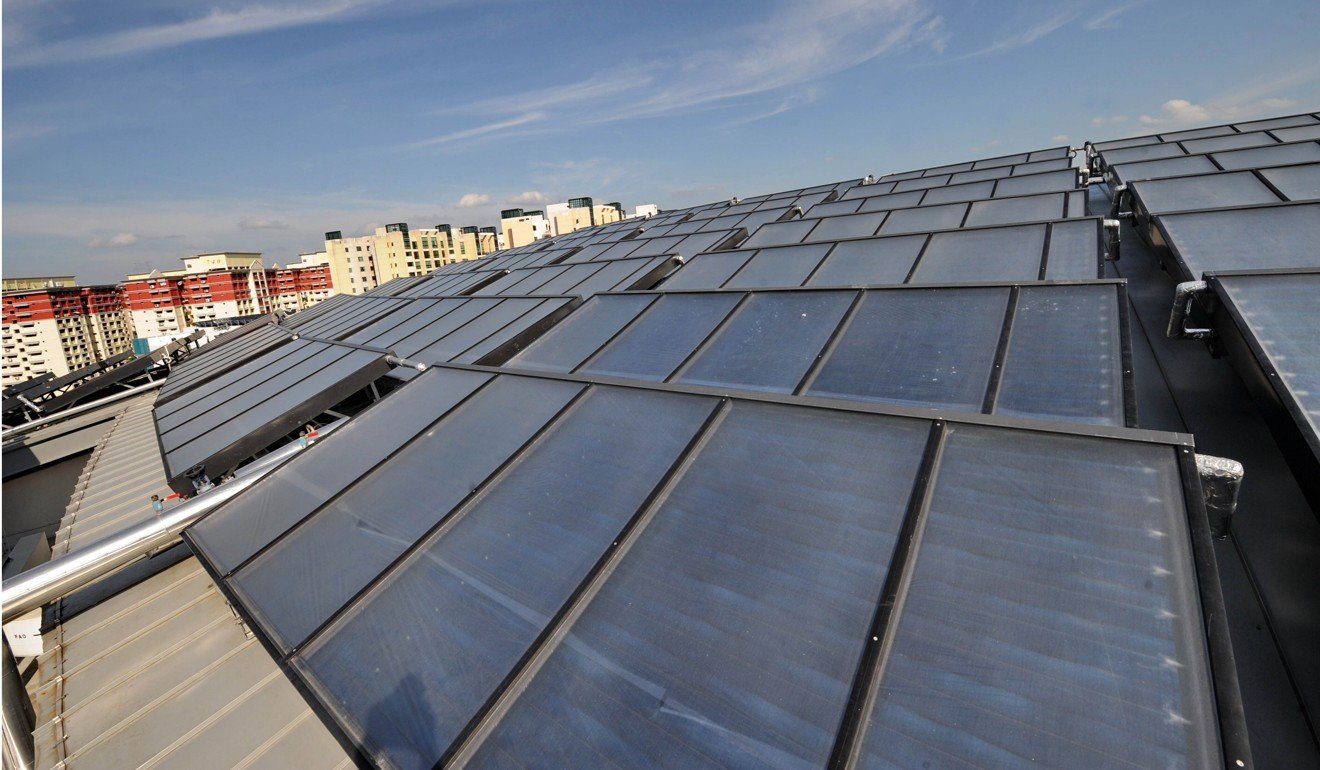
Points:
x=752 y=483
x=1253 y=231
x=639 y=576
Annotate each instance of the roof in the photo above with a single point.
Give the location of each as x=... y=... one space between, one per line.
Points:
x=164 y=674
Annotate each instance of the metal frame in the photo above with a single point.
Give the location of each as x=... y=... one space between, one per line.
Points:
x=1124 y=362
x=944 y=169
x=1285 y=416
x=1231 y=724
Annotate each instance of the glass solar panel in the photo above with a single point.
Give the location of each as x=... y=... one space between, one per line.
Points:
x=1281 y=313
x=222 y=423
x=1297 y=183
x=785 y=266
x=1228 y=142
x=583 y=333
x=1044 y=624
x=1243 y=239
x=1003 y=211
x=486 y=597
x=1273 y=155
x=997 y=254
x=724 y=580
x=661 y=340
x=1073 y=252
x=1182 y=165
x=1142 y=153
x=924 y=348
x=1297 y=134
x=869 y=261
x=771 y=343
x=1233 y=188
x=1051 y=364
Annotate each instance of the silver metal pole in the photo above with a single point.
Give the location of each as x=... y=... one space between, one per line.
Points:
x=19 y=752
x=58 y=578
x=87 y=407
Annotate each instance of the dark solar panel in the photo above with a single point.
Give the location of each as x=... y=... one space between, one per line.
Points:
x=549 y=571
x=951 y=347
x=1279 y=236
x=221 y=423
x=1008 y=253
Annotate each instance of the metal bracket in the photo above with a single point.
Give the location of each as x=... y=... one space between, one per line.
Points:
x=1221 y=478
x=1184 y=295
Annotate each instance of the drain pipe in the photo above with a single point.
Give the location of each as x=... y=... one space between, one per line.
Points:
x=58 y=578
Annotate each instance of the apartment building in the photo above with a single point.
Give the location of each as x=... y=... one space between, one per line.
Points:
x=519 y=227
x=578 y=213
x=38 y=282
x=300 y=285
x=58 y=329
x=473 y=242
x=360 y=263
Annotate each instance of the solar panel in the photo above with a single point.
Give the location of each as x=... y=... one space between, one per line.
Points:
x=547 y=570
x=1187 y=165
x=980 y=349
x=1268 y=321
x=1010 y=162
x=1224 y=189
x=1286 y=129
x=1274 y=236
x=997 y=211
x=202 y=368
x=219 y=424
x=585 y=278
x=948 y=188
x=1059 y=250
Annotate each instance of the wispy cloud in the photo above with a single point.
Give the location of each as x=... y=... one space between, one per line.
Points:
x=260 y=223
x=531 y=197
x=1027 y=36
x=1106 y=19
x=217 y=24
x=827 y=37
x=118 y=239
x=485 y=130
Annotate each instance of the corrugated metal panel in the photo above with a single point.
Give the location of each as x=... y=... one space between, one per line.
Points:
x=115 y=489
x=164 y=675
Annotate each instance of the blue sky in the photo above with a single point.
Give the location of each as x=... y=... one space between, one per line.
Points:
x=140 y=131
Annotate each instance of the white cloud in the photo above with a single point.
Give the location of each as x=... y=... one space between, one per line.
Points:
x=529 y=197
x=215 y=25
x=1106 y=19
x=118 y=239
x=1181 y=112
x=472 y=200
x=827 y=37
x=1060 y=138
x=990 y=145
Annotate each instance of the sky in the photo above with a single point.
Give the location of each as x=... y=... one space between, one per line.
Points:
x=141 y=131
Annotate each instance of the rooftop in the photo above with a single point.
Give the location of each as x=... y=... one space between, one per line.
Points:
x=926 y=468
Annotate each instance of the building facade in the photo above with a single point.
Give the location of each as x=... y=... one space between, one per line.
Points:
x=578 y=213
x=57 y=330
x=361 y=263
x=519 y=228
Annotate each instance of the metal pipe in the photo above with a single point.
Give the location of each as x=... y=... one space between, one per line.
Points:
x=90 y=405
x=1183 y=297
x=60 y=577
x=397 y=361
x=19 y=751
